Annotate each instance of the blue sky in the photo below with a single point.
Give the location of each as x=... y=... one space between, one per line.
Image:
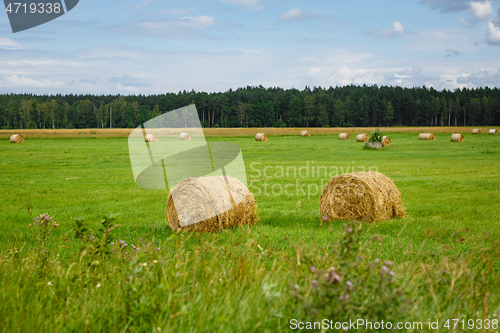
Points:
x=153 y=46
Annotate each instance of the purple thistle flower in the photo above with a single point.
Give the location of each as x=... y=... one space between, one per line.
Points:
x=325 y=218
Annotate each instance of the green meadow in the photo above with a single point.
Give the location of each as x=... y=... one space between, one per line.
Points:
x=443 y=255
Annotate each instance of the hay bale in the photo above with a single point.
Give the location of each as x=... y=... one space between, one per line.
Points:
x=362 y=137
x=386 y=141
x=426 y=136
x=370 y=196
x=476 y=131
x=305 y=133
x=17 y=138
x=344 y=136
x=457 y=138
x=184 y=136
x=151 y=138
x=493 y=131
x=261 y=137
x=205 y=196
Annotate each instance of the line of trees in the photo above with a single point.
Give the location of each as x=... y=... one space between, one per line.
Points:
x=346 y=106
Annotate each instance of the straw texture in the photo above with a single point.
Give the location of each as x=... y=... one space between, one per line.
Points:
x=344 y=136
x=17 y=138
x=305 y=133
x=151 y=138
x=476 y=131
x=362 y=137
x=386 y=141
x=426 y=136
x=261 y=137
x=203 y=196
x=457 y=138
x=370 y=196
x=184 y=136
x=493 y=131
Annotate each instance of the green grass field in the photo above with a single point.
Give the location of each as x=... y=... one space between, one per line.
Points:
x=450 y=192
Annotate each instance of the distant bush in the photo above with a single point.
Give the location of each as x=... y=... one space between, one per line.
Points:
x=376 y=136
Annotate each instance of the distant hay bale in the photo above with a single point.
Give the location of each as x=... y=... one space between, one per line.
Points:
x=205 y=196
x=344 y=136
x=17 y=138
x=305 y=133
x=457 y=138
x=261 y=137
x=184 y=136
x=493 y=132
x=151 y=138
x=386 y=141
x=362 y=137
x=427 y=136
x=476 y=131
x=368 y=196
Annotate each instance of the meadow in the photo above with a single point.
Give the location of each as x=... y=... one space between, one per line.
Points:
x=442 y=256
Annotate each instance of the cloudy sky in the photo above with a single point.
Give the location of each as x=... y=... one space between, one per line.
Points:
x=158 y=46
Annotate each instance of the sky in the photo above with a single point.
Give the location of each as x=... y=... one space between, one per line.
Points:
x=154 y=47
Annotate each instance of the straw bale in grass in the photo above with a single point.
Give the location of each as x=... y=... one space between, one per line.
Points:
x=210 y=196
x=369 y=196
x=17 y=138
x=426 y=136
x=457 y=138
x=344 y=136
x=362 y=137
x=261 y=137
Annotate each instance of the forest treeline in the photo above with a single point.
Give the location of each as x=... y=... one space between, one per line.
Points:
x=347 y=106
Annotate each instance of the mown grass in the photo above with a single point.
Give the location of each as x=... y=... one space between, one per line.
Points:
x=449 y=190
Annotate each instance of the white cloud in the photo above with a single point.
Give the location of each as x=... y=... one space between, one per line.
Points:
x=188 y=27
x=480 y=78
x=7 y=43
x=295 y=14
x=396 y=30
x=410 y=71
x=493 y=36
x=16 y=81
x=248 y=4
x=463 y=21
x=481 y=11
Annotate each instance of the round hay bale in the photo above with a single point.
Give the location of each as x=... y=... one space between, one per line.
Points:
x=344 y=136
x=457 y=138
x=362 y=137
x=493 y=132
x=305 y=133
x=386 y=141
x=261 y=137
x=476 y=131
x=151 y=138
x=370 y=196
x=203 y=196
x=426 y=136
x=184 y=136
x=17 y=138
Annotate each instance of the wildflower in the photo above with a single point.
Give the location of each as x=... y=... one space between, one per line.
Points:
x=388 y=263
x=121 y=242
x=385 y=269
x=158 y=249
x=332 y=276
x=126 y=252
x=344 y=297
x=98 y=285
x=144 y=264
x=377 y=260
x=49 y=284
x=296 y=287
x=155 y=262
x=313 y=269
x=349 y=285
x=325 y=218
x=391 y=273
x=349 y=230
x=314 y=283
x=92 y=237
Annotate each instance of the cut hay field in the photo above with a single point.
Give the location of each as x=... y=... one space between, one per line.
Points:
x=245 y=279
